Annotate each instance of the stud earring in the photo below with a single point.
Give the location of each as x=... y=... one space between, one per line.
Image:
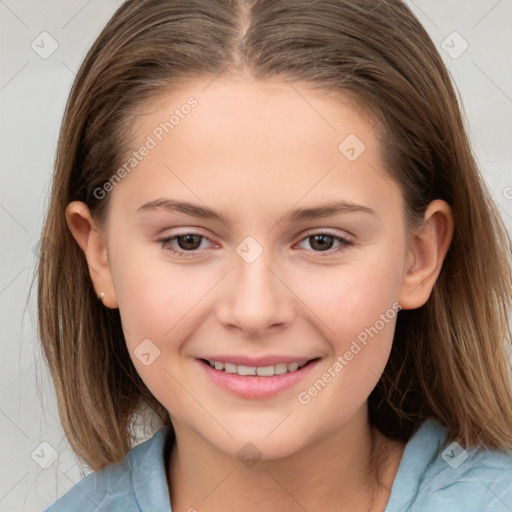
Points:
x=101 y=295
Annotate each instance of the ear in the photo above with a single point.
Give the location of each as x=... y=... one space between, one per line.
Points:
x=425 y=255
x=92 y=242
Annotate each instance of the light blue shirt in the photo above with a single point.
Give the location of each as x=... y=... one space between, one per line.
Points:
x=430 y=478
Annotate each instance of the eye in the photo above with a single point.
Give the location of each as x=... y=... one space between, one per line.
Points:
x=323 y=242
x=187 y=244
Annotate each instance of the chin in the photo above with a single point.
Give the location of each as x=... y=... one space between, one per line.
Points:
x=273 y=443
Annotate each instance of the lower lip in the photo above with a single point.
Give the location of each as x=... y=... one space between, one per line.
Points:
x=254 y=386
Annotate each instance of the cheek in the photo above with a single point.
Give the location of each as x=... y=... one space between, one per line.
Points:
x=158 y=299
x=353 y=297
x=358 y=307
x=158 y=308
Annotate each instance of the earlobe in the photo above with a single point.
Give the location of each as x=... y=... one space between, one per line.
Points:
x=426 y=252
x=92 y=242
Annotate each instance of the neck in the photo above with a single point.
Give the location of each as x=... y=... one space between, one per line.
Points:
x=339 y=472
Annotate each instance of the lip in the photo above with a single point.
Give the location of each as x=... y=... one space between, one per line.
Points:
x=257 y=361
x=254 y=386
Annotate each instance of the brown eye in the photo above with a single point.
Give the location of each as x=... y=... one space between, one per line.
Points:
x=187 y=245
x=321 y=242
x=325 y=243
x=189 y=242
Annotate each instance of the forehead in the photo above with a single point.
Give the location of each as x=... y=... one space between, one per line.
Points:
x=243 y=141
x=251 y=116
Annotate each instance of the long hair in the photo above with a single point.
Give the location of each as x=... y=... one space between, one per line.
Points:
x=449 y=357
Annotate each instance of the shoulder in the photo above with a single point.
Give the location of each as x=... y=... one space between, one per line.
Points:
x=436 y=476
x=92 y=492
x=468 y=480
x=121 y=487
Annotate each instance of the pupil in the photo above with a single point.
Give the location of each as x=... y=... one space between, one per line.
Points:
x=323 y=246
x=191 y=241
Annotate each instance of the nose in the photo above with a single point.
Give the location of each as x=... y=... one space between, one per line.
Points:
x=255 y=298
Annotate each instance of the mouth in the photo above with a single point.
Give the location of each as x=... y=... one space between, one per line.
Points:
x=257 y=382
x=260 y=371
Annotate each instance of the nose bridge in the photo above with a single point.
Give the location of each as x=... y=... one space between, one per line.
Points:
x=255 y=298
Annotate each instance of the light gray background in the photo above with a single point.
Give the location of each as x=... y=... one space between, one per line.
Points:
x=33 y=91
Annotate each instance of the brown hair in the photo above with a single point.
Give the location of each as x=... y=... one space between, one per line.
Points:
x=449 y=358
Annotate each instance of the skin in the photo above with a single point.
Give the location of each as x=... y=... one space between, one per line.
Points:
x=254 y=151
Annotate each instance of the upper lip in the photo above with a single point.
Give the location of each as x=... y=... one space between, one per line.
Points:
x=257 y=361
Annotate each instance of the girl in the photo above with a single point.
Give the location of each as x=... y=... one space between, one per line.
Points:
x=268 y=231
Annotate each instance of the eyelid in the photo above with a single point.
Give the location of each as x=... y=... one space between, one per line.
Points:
x=177 y=232
x=326 y=231
x=174 y=235
x=309 y=232
x=343 y=239
x=190 y=230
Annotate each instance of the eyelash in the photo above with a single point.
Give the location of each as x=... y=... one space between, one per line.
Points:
x=344 y=243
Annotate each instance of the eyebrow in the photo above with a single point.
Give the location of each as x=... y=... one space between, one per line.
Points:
x=295 y=215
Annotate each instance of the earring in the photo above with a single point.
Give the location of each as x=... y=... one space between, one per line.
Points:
x=101 y=295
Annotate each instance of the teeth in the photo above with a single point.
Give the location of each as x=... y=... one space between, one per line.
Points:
x=228 y=367
x=265 y=371
x=262 y=371
x=246 y=370
x=280 y=368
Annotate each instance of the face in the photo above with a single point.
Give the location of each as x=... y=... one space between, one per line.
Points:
x=257 y=229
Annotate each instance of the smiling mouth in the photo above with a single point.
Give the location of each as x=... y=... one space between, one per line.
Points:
x=259 y=371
